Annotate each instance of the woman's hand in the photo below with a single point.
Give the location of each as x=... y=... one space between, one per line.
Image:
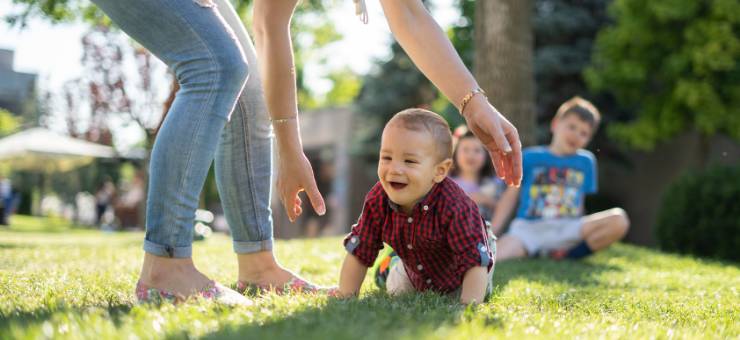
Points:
x=431 y=51
x=295 y=175
x=499 y=136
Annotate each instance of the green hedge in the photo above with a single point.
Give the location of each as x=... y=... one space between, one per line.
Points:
x=700 y=214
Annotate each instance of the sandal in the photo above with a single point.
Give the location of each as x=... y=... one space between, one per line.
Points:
x=295 y=284
x=213 y=291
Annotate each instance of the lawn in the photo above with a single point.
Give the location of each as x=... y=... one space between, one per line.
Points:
x=72 y=283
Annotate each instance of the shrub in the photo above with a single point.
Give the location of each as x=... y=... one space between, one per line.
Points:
x=700 y=214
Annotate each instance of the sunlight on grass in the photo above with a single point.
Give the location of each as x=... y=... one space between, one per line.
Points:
x=79 y=284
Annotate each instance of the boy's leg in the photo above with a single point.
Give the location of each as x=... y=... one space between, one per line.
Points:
x=604 y=228
x=598 y=231
x=398 y=281
x=509 y=247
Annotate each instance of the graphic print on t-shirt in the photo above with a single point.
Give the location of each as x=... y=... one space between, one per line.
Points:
x=554 y=193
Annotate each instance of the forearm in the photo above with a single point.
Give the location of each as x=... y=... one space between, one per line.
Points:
x=429 y=48
x=275 y=54
x=503 y=210
x=474 y=285
x=351 y=276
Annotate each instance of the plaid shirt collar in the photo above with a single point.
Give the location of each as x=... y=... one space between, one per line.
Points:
x=426 y=201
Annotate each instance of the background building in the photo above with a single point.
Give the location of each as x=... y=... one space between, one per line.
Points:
x=17 y=89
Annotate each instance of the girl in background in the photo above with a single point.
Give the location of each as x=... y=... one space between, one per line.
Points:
x=472 y=171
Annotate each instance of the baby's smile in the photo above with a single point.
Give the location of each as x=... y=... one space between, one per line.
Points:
x=397 y=185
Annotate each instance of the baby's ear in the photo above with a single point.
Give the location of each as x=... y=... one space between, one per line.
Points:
x=442 y=169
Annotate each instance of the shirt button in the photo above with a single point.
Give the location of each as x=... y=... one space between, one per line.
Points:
x=426 y=207
x=409 y=246
x=410 y=220
x=420 y=267
x=429 y=281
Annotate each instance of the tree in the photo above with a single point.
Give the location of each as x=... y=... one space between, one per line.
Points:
x=393 y=86
x=676 y=63
x=564 y=34
x=9 y=123
x=109 y=89
x=504 y=43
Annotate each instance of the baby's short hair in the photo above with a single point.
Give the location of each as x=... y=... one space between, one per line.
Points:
x=416 y=119
x=583 y=109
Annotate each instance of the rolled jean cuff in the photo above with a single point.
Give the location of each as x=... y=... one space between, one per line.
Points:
x=167 y=251
x=249 y=247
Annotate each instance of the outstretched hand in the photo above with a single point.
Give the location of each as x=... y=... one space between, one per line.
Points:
x=295 y=175
x=499 y=136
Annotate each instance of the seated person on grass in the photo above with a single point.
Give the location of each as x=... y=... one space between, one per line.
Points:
x=443 y=244
x=556 y=179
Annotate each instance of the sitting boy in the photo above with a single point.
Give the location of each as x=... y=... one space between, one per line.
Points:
x=556 y=178
x=435 y=228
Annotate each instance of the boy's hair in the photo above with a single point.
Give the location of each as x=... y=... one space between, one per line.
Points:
x=416 y=119
x=583 y=109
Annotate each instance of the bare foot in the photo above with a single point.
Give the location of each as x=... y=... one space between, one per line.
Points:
x=175 y=275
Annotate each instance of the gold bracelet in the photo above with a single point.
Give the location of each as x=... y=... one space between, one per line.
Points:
x=464 y=102
x=283 y=120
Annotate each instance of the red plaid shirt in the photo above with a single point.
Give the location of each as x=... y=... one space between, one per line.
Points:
x=442 y=238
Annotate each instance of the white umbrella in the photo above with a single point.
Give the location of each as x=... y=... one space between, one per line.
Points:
x=42 y=149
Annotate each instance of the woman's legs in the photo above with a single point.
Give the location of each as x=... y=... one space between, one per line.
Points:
x=244 y=172
x=195 y=42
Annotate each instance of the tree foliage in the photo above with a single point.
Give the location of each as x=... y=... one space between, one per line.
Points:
x=9 y=123
x=676 y=63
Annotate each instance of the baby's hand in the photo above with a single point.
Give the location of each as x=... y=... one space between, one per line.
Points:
x=332 y=292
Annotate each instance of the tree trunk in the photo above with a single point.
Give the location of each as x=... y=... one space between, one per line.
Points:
x=504 y=60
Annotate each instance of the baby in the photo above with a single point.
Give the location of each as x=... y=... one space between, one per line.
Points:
x=442 y=243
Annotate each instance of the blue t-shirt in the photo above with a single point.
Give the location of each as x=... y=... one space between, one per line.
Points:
x=555 y=186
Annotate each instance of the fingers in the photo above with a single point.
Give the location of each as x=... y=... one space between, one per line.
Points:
x=315 y=197
x=515 y=157
x=498 y=163
x=492 y=125
x=289 y=205
x=297 y=210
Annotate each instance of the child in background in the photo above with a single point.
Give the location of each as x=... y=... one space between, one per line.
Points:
x=441 y=241
x=555 y=181
x=473 y=172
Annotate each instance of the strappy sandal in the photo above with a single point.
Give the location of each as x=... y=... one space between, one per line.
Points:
x=213 y=291
x=295 y=284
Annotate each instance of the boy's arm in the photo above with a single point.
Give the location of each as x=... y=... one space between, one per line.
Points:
x=474 y=285
x=351 y=277
x=503 y=208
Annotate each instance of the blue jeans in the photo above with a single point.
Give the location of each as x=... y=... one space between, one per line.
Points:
x=217 y=114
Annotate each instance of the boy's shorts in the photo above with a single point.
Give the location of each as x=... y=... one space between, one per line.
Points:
x=546 y=234
x=398 y=281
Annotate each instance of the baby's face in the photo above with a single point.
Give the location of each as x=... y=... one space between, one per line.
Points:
x=408 y=166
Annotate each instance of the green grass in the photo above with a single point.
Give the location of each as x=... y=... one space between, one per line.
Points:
x=72 y=283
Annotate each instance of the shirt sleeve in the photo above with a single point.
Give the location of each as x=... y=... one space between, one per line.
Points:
x=364 y=240
x=468 y=240
x=591 y=181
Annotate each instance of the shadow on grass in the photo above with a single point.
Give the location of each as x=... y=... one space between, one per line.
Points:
x=116 y=312
x=374 y=316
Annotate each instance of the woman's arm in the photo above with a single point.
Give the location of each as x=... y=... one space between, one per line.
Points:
x=351 y=277
x=431 y=50
x=474 y=285
x=275 y=55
